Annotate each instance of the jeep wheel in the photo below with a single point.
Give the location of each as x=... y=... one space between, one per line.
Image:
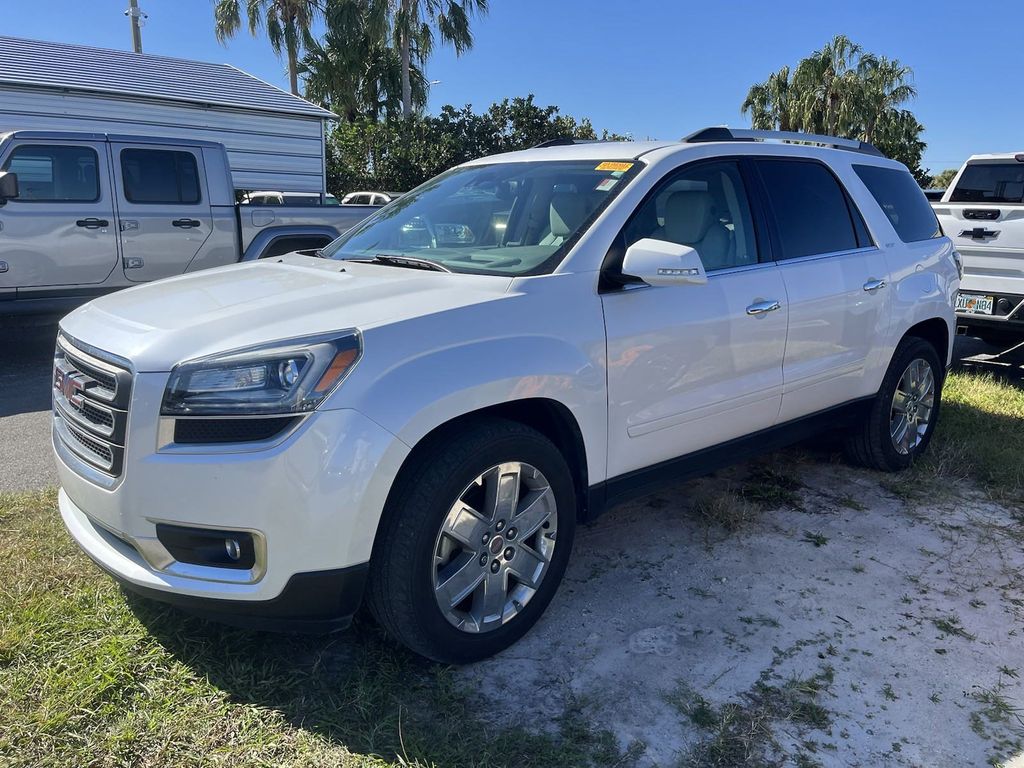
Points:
x=903 y=414
x=474 y=542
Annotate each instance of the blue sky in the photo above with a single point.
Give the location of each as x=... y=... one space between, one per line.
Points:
x=657 y=68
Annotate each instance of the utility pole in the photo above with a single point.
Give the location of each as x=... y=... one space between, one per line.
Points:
x=135 y=15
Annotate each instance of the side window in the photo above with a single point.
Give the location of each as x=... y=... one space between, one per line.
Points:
x=160 y=176
x=811 y=211
x=55 y=174
x=902 y=201
x=704 y=206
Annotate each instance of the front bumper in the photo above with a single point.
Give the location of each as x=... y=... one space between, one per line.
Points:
x=316 y=601
x=312 y=500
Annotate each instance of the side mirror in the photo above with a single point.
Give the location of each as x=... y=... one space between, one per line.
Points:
x=8 y=186
x=657 y=262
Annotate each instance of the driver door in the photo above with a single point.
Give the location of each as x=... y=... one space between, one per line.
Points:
x=692 y=366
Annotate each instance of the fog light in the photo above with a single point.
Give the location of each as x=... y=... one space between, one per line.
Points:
x=205 y=546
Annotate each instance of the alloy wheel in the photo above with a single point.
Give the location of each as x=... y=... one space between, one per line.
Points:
x=913 y=404
x=494 y=547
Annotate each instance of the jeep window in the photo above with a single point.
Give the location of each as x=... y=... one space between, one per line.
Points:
x=812 y=214
x=159 y=176
x=504 y=218
x=704 y=206
x=55 y=174
x=990 y=183
x=902 y=201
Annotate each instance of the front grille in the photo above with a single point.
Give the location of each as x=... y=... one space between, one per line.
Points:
x=91 y=393
x=206 y=431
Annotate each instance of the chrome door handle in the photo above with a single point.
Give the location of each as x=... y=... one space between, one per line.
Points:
x=874 y=285
x=761 y=307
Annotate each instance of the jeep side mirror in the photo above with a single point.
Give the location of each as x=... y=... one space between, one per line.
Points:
x=658 y=262
x=8 y=186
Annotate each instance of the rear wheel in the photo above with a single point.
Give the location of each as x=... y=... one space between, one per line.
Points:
x=474 y=542
x=902 y=417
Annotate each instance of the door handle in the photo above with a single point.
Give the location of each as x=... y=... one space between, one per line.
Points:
x=763 y=307
x=186 y=223
x=92 y=223
x=874 y=285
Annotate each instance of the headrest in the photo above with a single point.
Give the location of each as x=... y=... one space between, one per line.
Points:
x=688 y=216
x=567 y=213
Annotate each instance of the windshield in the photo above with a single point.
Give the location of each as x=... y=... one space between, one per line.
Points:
x=506 y=218
x=990 y=183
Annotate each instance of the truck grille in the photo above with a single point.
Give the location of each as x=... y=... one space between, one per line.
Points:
x=91 y=393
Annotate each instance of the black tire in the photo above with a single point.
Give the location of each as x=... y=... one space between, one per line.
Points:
x=869 y=443
x=400 y=589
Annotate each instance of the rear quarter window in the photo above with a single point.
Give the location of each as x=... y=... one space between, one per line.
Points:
x=902 y=201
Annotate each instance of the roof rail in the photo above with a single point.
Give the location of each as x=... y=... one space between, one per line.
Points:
x=563 y=141
x=721 y=133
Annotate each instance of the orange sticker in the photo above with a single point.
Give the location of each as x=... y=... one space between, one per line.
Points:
x=611 y=166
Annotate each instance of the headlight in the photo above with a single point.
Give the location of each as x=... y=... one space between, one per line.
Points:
x=285 y=377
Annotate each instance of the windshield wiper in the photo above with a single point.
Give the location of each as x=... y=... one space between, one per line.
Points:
x=406 y=261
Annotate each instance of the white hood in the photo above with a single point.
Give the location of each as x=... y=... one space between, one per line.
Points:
x=159 y=325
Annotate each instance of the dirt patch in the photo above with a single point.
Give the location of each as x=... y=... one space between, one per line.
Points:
x=786 y=613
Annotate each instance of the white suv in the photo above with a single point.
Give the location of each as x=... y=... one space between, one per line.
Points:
x=422 y=415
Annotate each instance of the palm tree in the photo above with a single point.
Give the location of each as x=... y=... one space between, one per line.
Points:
x=770 y=104
x=828 y=82
x=287 y=22
x=415 y=22
x=885 y=89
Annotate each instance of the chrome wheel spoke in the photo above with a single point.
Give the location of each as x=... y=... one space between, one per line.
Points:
x=492 y=600
x=528 y=566
x=537 y=509
x=460 y=584
x=502 y=484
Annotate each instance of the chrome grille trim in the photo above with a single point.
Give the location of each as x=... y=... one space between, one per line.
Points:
x=90 y=406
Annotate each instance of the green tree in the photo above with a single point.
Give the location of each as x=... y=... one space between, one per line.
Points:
x=842 y=90
x=943 y=179
x=399 y=154
x=287 y=24
x=415 y=23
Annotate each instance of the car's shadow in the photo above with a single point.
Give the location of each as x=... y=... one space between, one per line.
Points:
x=1005 y=361
x=355 y=688
x=26 y=361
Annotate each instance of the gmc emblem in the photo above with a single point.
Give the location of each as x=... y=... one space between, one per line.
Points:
x=70 y=387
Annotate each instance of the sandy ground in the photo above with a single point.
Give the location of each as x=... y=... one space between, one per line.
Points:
x=842 y=623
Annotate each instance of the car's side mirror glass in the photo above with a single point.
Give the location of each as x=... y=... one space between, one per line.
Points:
x=657 y=262
x=8 y=186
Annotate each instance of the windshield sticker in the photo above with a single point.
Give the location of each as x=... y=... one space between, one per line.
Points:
x=605 y=184
x=608 y=165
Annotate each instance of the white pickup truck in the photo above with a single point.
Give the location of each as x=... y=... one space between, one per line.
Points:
x=83 y=214
x=983 y=213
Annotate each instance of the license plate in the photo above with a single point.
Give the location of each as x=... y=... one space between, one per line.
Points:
x=973 y=304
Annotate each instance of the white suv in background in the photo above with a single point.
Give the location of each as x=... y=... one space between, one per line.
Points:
x=421 y=415
x=983 y=213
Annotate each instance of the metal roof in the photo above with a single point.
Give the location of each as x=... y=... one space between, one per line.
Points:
x=41 y=64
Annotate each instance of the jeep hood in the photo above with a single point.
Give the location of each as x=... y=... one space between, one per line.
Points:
x=158 y=325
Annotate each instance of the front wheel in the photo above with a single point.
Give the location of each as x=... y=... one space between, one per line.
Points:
x=903 y=414
x=474 y=542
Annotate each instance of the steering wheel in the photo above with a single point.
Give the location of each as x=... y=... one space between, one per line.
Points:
x=427 y=225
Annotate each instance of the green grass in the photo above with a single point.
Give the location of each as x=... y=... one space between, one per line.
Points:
x=90 y=678
x=981 y=433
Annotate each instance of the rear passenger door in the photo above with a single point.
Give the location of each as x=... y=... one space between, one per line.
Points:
x=836 y=283
x=164 y=208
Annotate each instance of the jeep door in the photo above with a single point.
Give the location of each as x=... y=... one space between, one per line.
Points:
x=164 y=208
x=691 y=366
x=836 y=280
x=60 y=229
